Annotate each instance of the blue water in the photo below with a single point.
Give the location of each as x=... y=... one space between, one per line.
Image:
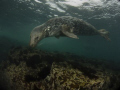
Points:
x=19 y=17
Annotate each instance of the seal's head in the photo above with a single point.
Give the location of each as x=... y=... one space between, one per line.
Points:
x=37 y=34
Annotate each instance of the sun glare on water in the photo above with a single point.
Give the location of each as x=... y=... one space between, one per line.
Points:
x=78 y=3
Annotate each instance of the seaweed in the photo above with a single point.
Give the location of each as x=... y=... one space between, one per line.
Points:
x=44 y=73
x=33 y=61
x=30 y=78
x=86 y=71
x=33 y=69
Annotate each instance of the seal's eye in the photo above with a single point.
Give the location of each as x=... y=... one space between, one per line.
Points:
x=36 y=38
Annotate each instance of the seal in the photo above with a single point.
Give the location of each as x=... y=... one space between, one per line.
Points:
x=64 y=26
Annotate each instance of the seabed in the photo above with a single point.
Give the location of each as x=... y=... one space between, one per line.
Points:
x=32 y=69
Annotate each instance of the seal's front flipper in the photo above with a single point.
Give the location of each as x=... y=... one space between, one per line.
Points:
x=57 y=37
x=65 y=30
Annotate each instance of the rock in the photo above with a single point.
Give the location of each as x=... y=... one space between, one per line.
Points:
x=32 y=69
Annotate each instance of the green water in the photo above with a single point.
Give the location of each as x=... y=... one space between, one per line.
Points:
x=19 y=17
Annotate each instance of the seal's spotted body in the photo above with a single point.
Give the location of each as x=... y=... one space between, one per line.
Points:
x=78 y=26
x=64 y=26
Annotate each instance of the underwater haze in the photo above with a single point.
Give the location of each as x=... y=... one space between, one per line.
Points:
x=19 y=17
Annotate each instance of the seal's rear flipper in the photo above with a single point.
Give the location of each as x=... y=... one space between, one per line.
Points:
x=104 y=34
x=65 y=30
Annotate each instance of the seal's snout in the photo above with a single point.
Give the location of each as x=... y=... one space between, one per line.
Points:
x=31 y=44
x=34 y=40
